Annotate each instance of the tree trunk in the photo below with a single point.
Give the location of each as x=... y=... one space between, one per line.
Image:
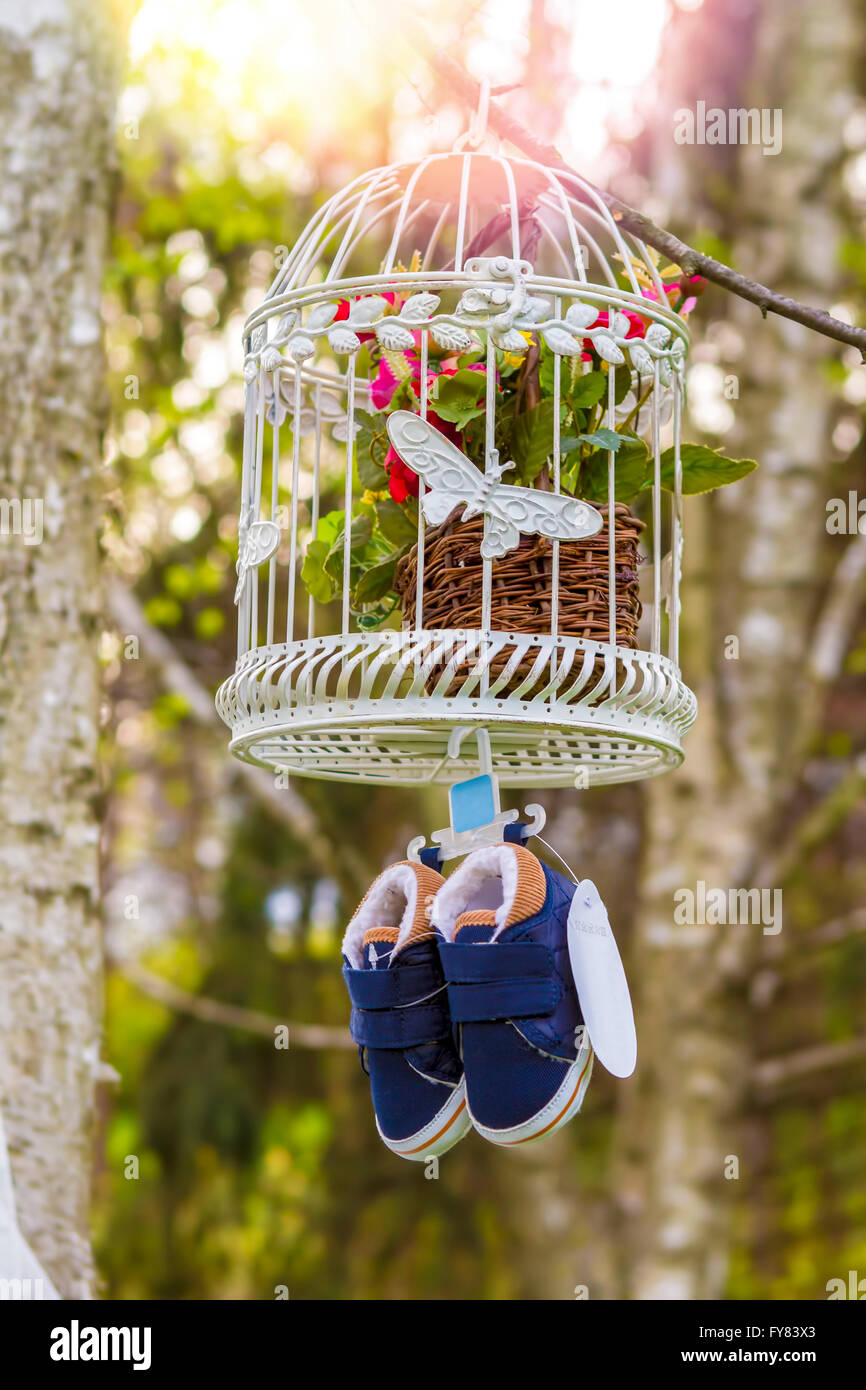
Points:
x=58 y=85
x=760 y=546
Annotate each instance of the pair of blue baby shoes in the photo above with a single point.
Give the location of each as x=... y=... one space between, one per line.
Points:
x=464 y=1005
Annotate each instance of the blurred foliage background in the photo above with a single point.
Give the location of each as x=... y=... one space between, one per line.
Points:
x=259 y=1168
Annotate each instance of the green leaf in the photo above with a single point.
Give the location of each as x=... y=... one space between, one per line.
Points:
x=703 y=469
x=376 y=582
x=588 y=390
x=371 y=446
x=394 y=524
x=532 y=440
x=633 y=465
x=622 y=384
x=320 y=585
x=459 y=398
x=330 y=527
x=602 y=439
x=362 y=530
x=545 y=372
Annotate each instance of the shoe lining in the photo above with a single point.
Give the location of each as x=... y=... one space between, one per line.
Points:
x=506 y=880
x=399 y=900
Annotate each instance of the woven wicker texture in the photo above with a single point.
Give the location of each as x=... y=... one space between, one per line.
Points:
x=522 y=581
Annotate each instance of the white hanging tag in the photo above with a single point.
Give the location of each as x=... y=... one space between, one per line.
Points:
x=600 y=981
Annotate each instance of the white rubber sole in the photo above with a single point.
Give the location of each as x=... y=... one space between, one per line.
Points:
x=447 y=1128
x=561 y=1107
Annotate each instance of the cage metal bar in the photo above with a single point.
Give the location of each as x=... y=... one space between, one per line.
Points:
x=400 y=220
x=275 y=483
x=676 y=531
x=419 y=582
x=250 y=407
x=293 y=539
x=557 y=487
x=489 y=446
x=347 y=520
x=314 y=516
x=257 y=508
x=511 y=185
x=435 y=234
x=461 y=211
x=611 y=504
x=656 y=640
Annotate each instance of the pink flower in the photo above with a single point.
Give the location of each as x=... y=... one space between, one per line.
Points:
x=674 y=289
x=383 y=385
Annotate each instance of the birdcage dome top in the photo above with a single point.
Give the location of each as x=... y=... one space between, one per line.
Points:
x=452 y=219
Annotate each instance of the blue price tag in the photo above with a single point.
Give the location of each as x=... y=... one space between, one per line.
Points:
x=472 y=803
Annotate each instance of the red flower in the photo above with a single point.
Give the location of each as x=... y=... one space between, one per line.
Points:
x=343 y=312
x=636 y=325
x=402 y=482
x=636 y=329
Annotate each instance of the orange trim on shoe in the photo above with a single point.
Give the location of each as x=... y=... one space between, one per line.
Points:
x=509 y=1143
x=448 y=1123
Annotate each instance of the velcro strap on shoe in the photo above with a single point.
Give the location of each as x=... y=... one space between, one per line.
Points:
x=391 y=988
x=497 y=980
x=400 y=1028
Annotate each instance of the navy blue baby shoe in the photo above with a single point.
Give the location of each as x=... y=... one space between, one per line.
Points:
x=400 y=1015
x=503 y=916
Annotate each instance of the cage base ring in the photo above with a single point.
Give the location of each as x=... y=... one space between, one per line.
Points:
x=357 y=708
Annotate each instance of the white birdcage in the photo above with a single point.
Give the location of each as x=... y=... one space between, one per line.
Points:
x=478 y=252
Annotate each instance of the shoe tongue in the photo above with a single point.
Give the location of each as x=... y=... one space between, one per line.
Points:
x=378 y=943
x=475 y=926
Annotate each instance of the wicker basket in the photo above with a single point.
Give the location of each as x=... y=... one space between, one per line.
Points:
x=522 y=582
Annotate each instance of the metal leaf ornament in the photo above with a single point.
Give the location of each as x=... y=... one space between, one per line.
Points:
x=257 y=542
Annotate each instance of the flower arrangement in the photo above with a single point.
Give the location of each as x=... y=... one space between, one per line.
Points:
x=385 y=519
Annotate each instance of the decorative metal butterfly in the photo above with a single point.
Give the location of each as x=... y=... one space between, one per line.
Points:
x=507 y=510
x=257 y=542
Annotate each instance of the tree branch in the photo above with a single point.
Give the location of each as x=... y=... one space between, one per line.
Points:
x=176 y=676
x=691 y=261
x=812 y=829
x=774 y=1071
x=832 y=632
x=312 y=1035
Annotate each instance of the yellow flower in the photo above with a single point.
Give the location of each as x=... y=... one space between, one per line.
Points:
x=515 y=359
x=641 y=273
